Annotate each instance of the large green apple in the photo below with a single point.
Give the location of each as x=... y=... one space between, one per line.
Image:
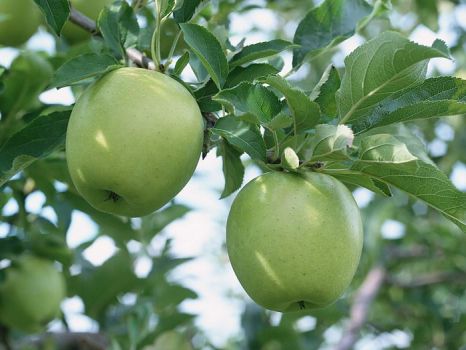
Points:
x=19 y=19
x=294 y=241
x=133 y=141
x=31 y=294
x=91 y=8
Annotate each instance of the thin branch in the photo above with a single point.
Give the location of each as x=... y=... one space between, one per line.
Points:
x=360 y=308
x=429 y=279
x=68 y=340
x=89 y=25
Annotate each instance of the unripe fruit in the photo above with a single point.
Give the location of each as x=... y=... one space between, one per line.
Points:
x=31 y=294
x=133 y=141
x=294 y=241
x=19 y=20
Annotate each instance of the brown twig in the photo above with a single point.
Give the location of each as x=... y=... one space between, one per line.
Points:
x=137 y=57
x=69 y=340
x=429 y=279
x=362 y=301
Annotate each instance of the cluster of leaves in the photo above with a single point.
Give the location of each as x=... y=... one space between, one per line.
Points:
x=384 y=83
x=348 y=126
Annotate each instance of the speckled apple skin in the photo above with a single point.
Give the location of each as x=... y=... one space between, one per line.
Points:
x=133 y=141
x=294 y=241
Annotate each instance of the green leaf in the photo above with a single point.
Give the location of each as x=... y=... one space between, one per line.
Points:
x=306 y=113
x=330 y=142
x=36 y=140
x=233 y=169
x=110 y=225
x=181 y=63
x=281 y=121
x=56 y=13
x=119 y=27
x=238 y=75
x=10 y=246
x=324 y=93
x=110 y=280
x=254 y=52
x=209 y=51
x=27 y=77
x=156 y=222
x=387 y=159
x=187 y=10
x=381 y=66
x=330 y=23
x=435 y=97
x=165 y=7
x=248 y=98
x=361 y=180
x=249 y=73
x=244 y=136
x=403 y=134
x=83 y=67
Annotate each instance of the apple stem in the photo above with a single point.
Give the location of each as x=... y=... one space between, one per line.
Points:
x=301 y=304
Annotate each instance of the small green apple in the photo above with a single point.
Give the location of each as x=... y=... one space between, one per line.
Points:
x=91 y=8
x=170 y=340
x=294 y=241
x=31 y=294
x=19 y=20
x=133 y=141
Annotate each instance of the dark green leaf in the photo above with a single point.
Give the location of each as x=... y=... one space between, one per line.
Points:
x=119 y=27
x=36 y=140
x=27 y=77
x=281 y=121
x=260 y=50
x=435 y=97
x=56 y=13
x=83 y=67
x=181 y=63
x=248 y=98
x=186 y=11
x=325 y=93
x=381 y=66
x=329 y=142
x=233 y=169
x=387 y=159
x=306 y=113
x=108 y=281
x=244 y=136
x=165 y=7
x=330 y=23
x=208 y=50
x=366 y=182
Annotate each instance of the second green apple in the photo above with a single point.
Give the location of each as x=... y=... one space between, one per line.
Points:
x=294 y=241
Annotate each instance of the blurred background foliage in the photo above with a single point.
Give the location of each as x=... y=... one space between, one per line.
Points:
x=421 y=301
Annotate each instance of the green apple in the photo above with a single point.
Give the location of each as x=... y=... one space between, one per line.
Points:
x=91 y=8
x=19 y=20
x=294 y=241
x=170 y=340
x=31 y=294
x=133 y=141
